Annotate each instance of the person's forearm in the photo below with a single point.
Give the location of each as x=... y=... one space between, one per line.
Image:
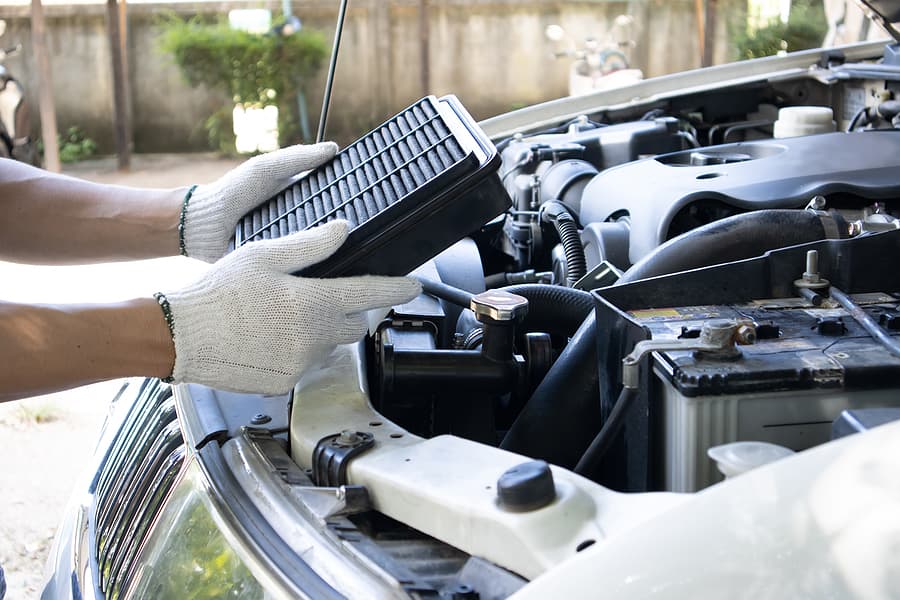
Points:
x=47 y=348
x=53 y=219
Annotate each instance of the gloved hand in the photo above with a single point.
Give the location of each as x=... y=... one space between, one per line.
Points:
x=248 y=325
x=212 y=211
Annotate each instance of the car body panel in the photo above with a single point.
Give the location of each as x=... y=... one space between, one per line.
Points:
x=819 y=524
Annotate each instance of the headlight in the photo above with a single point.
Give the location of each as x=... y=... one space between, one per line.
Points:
x=187 y=555
x=158 y=527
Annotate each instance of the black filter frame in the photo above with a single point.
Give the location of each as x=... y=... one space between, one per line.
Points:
x=410 y=188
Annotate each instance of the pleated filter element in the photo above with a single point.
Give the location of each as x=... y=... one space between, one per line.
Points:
x=429 y=162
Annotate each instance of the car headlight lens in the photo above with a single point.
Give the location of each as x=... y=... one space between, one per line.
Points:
x=188 y=555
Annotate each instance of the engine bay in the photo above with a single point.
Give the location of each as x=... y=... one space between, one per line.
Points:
x=521 y=337
x=681 y=289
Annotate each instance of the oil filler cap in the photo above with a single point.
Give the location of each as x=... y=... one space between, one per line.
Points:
x=525 y=487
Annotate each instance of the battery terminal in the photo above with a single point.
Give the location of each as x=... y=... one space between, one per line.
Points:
x=719 y=340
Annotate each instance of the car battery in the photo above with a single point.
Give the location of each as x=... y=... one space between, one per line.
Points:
x=807 y=363
x=806 y=366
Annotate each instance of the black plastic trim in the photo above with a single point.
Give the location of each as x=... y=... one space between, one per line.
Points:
x=201 y=419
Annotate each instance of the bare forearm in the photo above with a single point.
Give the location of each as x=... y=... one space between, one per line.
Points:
x=52 y=219
x=46 y=348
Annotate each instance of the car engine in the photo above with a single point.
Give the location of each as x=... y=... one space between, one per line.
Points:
x=671 y=278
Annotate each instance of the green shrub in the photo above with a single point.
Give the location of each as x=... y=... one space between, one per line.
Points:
x=252 y=69
x=805 y=29
x=73 y=146
x=220 y=131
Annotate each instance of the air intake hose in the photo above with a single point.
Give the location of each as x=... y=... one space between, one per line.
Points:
x=734 y=238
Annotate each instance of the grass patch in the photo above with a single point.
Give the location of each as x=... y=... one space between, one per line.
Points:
x=38 y=414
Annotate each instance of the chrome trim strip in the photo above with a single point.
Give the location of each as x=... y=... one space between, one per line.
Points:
x=136 y=475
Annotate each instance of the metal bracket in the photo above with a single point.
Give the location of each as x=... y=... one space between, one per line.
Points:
x=717 y=340
x=327 y=502
x=333 y=453
x=324 y=502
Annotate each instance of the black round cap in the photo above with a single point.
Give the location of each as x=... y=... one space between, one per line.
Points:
x=528 y=486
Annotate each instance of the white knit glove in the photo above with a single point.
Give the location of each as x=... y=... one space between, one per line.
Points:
x=212 y=211
x=248 y=325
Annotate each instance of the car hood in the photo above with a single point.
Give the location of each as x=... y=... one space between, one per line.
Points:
x=887 y=10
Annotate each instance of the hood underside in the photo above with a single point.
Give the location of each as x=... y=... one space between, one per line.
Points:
x=888 y=11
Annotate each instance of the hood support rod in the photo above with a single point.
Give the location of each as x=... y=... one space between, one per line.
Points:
x=326 y=101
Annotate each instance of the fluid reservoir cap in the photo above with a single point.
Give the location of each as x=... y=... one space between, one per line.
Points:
x=804 y=120
x=498 y=306
x=739 y=457
x=528 y=486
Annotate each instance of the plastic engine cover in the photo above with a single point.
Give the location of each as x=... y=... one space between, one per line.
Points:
x=783 y=173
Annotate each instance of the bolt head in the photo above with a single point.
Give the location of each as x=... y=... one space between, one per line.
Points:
x=745 y=334
x=260 y=419
x=348 y=437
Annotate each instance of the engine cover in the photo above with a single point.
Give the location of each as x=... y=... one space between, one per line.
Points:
x=784 y=173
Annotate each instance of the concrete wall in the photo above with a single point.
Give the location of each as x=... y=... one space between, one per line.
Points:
x=490 y=53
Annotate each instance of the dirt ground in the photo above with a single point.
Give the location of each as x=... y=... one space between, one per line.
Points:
x=47 y=441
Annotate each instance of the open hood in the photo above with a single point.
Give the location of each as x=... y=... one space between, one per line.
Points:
x=888 y=12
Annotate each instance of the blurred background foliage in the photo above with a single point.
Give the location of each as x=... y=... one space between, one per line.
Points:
x=805 y=28
x=254 y=70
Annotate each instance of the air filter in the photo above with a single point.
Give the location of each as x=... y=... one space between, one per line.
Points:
x=410 y=188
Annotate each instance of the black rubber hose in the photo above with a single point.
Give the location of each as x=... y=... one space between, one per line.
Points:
x=446 y=292
x=862 y=116
x=563 y=414
x=566 y=399
x=576 y=263
x=496 y=280
x=734 y=238
x=590 y=462
x=516 y=278
x=560 y=216
x=551 y=308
